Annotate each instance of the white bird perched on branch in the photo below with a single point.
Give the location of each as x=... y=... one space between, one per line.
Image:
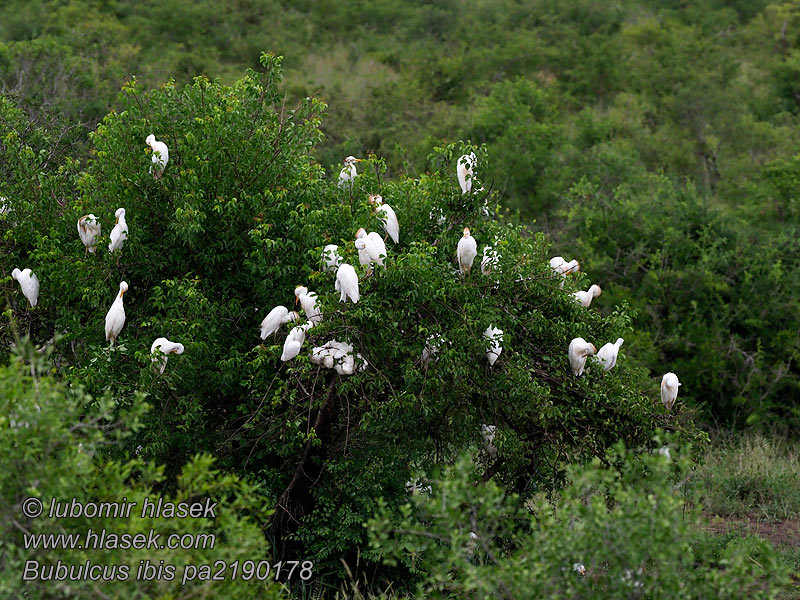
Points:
x=431 y=349
x=308 y=301
x=669 y=389
x=89 y=231
x=387 y=215
x=579 y=350
x=496 y=337
x=466 y=252
x=563 y=267
x=115 y=318
x=490 y=260
x=464 y=171
x=120 y=232
x=166 y=348
x=371 y=248
x=278 y=316
x=294 y=341
x=29 y=283
x=160 y=156
x=607 y=355
x=487 y=434
x=331 y=257
x=327 y=354
x=348 y=173
x=585 y=298
x=347 y=283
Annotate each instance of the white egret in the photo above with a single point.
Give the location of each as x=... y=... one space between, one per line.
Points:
x=327 y=354
x=487 y=434
x=669 y=389
x=472 y=544
x=563 y=267
x=166 y=348
x=607 y=355
x=294 y=341
x=331 y=257
x=490 y=260
x=371 y=248
x=160 y=156
x=466 y=252
x=29 y=283
x=579 y=350
x=579 y=569
x=120 y=232
x=308 y=301
x=585 y=298
x=347 y=283
x=496 y=337
x=387 y=215
x=115 y=318
x=278 y=316
x=89 y=231
x=348 y=173
x=464 y=172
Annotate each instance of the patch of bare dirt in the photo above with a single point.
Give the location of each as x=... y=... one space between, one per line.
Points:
x=780 y=533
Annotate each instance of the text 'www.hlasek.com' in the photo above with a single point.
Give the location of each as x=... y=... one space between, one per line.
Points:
x=160 y=538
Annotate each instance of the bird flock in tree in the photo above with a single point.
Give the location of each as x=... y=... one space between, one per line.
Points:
x=371 y=249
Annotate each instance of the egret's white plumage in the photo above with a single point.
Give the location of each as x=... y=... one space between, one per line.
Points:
x=308 y=300
x=464 y=172
x=280 y=315
x=563 y=267
x=160 y=156
x=115 y=318
x=490 y=260
x=89 y=231
x=466 y=252
x=29 y=283
x=387 y=215
x=347 y=283
x=669 y=389
x=331 y=257
x=496 y=336
x=166 y=348
x=370 y=246
x=579 y=350
x=120 y=231
x=348 y=173
x=487 y=434
x=294 y=341
x=585 y=298
x=607 y=355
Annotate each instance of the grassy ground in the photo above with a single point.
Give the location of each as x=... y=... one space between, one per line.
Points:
x=750 y=484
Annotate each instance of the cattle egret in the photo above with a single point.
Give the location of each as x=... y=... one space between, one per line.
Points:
x=487 y=434
x=294 y=341
x=347 y=283
x=490 y=260
x=348 y=173
x=464 y=172
x=160 y=156
x=607 y=355
x=166 y=348
x=496 y=337
x=115 y=318
x=387 y=215
x=278 y=316
x=579 y=350
x=29 y=283
x=466 y=252
x=563 y=267
x=331 y=257
x=89 y=231
x=371 y=248
x=585 y=298
x=308 y=301
x=669 y=389
x=579 y=569
x=120 y=232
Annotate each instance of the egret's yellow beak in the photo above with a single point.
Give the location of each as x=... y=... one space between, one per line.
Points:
x=296 y=300
x=359 y=160
x=121 y=292
x=117 y=221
